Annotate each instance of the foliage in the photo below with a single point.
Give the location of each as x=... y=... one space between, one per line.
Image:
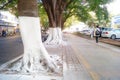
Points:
x=43 y=16
x=81 y=9
x=78 y=8
x=71 y=20
x=10 y=5
x=98 y=7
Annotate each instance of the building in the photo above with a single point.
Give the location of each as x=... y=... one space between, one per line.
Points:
x=8 y=22
x=76 y=27
x=115 y=22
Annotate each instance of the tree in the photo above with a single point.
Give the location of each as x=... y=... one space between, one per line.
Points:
x=80 y=8
x=35 y=56
x=54 y=9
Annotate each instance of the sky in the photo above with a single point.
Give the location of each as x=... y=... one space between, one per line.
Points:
x=114 y=7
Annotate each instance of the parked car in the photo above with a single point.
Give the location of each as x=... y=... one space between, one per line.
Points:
x=111 y=33
x=86 y=32
x=102 y=29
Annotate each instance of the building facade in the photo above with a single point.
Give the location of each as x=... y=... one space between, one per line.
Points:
x=8 y=22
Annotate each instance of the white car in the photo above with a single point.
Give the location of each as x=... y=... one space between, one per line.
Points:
x=112 y=33
x=86 y=32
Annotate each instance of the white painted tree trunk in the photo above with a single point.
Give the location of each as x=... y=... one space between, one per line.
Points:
x=55 y=36
x=35 y=56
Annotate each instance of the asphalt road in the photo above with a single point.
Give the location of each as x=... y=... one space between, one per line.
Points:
x=10 y=48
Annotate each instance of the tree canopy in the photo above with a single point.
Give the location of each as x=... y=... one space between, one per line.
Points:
x=10 y=5
x=64 y=9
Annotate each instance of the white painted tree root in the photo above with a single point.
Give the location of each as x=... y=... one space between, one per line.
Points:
x=55 y=36
x=35 y=56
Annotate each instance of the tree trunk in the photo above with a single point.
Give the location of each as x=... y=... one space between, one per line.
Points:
x=55 y=36
x=54 y=9
x=35 y=56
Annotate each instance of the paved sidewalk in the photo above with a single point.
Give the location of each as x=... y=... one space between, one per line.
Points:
x=28 y=77
x=73 y=67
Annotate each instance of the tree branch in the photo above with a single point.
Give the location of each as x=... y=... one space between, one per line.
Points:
x=5 y=4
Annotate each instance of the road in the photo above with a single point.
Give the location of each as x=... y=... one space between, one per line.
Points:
x=10 y=48
x=101 y=61
x=85 y=59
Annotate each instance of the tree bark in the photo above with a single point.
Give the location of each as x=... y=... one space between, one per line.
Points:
x=27 y=8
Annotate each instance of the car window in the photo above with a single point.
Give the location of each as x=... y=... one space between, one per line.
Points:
x=119 y=30
x=116 y=30
x=109 y=29
x=106 y=29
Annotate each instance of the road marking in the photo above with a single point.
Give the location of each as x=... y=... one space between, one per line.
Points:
x=93 y=74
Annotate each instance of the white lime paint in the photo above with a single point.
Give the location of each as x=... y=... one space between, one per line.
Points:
x=55 y=36
x=35 y=56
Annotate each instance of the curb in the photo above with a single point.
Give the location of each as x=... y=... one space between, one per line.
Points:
x=9 y=62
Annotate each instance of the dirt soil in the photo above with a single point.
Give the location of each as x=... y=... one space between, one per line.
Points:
x=105 y=40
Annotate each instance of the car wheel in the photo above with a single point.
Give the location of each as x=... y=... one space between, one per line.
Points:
x=113 y=37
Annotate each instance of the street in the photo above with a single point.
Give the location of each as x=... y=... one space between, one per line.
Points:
x=10 y=48
x=101 y=61
x=83 y=59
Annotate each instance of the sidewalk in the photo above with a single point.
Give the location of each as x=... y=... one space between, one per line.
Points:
x=73 y=67
x=6 y=75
